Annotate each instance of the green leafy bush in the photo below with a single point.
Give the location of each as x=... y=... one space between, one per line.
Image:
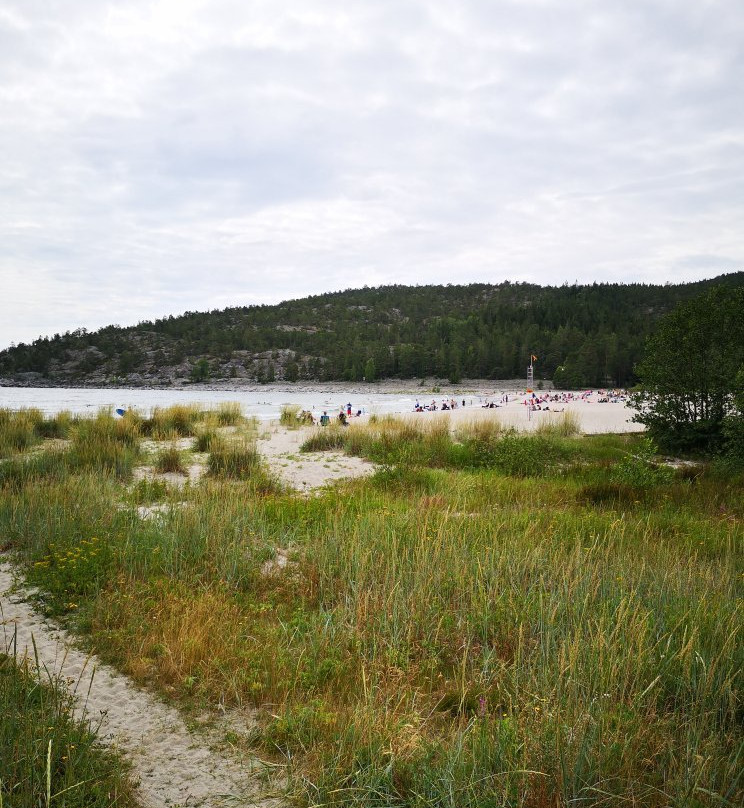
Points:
x=640 y=469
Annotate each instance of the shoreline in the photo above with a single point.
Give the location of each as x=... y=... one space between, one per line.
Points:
x=403 y=386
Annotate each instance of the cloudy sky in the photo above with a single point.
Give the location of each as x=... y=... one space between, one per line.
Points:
x=159 y=156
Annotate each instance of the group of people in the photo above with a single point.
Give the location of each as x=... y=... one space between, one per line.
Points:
x=445 y=405
x=342 y=418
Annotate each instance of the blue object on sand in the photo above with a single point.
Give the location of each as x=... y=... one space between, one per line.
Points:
x=120 y=411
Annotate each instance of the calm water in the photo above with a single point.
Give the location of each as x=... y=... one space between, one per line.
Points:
x=262 y=405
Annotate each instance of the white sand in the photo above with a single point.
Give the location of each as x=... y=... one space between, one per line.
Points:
x=594 y=417
x=280 y=447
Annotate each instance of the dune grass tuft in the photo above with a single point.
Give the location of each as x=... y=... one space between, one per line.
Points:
x=46 y=755
x=169 y=460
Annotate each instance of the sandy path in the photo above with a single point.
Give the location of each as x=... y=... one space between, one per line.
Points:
x=174 y=767
x=304 y=472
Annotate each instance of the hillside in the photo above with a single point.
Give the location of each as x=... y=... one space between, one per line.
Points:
x=582 y=335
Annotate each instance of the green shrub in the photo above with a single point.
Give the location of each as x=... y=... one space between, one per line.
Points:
x=640 y=468
x=733 y=447
x=513 y=453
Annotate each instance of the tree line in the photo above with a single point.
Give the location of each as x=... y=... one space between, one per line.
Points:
x=583 y=335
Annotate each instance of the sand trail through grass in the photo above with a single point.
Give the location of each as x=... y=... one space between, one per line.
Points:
x=173 y=766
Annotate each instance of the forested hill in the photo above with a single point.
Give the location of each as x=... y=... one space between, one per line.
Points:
x=582 y=336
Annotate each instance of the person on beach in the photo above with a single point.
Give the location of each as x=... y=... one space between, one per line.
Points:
x=324 y=419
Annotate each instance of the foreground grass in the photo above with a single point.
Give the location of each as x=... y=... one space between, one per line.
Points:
x=557 y=622
x=46 y=756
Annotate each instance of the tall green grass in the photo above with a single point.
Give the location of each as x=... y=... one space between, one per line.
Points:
x=47 y=757
x=23 y=429
x=441 y=636
x=479 y=444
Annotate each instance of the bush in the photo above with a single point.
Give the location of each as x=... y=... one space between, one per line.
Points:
x=640 y=469
x=692 y=372
x=514 y=454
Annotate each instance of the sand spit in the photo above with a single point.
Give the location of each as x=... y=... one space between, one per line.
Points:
x=173 y=766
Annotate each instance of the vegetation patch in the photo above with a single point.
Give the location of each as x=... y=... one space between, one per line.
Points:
x=490 y=619
x=47 y=757
x=170 y=461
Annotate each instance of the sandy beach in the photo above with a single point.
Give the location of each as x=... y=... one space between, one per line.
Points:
x=308 y=471
x=595 y=417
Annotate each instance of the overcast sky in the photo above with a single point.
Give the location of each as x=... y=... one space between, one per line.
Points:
x=159 y=156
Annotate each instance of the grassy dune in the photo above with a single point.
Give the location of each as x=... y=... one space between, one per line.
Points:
x=491 y=619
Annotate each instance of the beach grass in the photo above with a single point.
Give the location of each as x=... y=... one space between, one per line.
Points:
x=47 y=757
x=491 y=619
x=169 y=460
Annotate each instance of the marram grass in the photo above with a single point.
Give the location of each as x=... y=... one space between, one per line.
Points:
x=47 y=757
x=435 y=636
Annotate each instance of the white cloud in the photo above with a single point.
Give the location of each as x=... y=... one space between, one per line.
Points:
x=164 y=155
